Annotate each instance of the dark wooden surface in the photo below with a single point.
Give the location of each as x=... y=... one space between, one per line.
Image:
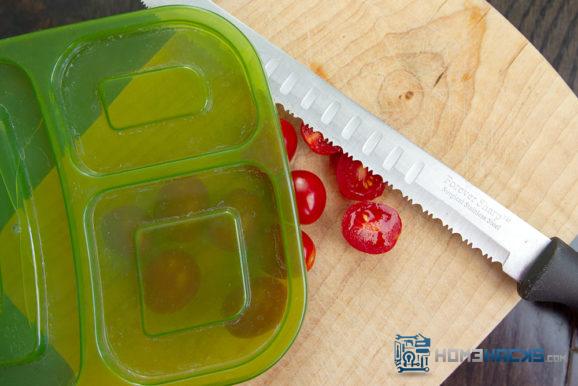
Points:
x=552 y=26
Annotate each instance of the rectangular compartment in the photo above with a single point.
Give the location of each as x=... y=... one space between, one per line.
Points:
x=189 y=99
x=39 y=328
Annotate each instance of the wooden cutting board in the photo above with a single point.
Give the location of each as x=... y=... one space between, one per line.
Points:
x=455 y=77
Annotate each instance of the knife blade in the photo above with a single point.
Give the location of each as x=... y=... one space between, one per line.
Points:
x=525 y=253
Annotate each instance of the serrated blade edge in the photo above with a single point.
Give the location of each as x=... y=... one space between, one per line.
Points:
x=442 y=193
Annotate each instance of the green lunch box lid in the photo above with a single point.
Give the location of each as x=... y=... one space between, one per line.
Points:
x=148 y=230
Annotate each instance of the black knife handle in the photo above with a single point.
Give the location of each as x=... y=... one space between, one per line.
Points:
x=553 y=277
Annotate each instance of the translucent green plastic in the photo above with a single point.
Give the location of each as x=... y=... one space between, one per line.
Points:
x=148 y=231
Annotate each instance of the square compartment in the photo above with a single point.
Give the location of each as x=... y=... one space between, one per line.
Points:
x=195 y=297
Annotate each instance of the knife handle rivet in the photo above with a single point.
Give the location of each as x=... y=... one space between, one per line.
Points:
x=350 y=128
x=330 y=113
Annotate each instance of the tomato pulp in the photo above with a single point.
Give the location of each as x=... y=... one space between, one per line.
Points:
x=356 y=182
x=316 y=142
x=371 y=227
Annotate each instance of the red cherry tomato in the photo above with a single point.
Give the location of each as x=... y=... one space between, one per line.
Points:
x=310 y=195
x=317 y=142
x=371 y=227
x=290 y=138
x=308 y=250
x=334 y=159
x=356 y=182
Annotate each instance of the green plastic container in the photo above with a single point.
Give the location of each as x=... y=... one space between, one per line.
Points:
x=148 y=231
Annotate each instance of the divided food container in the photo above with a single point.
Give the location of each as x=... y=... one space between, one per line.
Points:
x=148 y=231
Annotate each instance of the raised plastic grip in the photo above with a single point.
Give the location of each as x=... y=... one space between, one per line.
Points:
x=553 y=277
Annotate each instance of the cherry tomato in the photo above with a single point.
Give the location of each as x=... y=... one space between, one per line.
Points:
x=119 y=227
x=356 y=182
x=171 y=280
x=371 y=227
x=181 y=197
x=290 y=138
x=316 y=142
x=334 y=159
x=308 y=250
x=268 y=299
x=310 y=194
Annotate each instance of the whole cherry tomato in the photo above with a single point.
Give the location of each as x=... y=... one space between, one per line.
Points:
x=308 y=250
x=316 y=142
x=371 y=227
x=310 y=194
x=171 y=280
x=290 y=138
x=356 y=182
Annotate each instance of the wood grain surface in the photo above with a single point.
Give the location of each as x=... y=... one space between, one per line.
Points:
x=552 y=27
x=458 y=79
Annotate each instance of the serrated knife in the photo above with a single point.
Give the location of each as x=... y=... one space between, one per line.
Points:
x=545 y=269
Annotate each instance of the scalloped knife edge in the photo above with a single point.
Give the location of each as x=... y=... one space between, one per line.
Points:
x=442 y=193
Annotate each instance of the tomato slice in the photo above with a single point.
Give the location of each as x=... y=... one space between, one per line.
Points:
x=308 y=250
x=356 y=182
x=310 y=194
x=317 y=142
x=371 y=227
x=334 y=160
x=290 y=138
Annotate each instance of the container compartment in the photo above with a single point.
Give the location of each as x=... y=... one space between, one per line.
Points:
x=190 y=99
x=20 y=326
x=194 y=262
x=39 y=337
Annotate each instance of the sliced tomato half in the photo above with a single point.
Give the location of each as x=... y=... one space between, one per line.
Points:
x=371 y=227
x=356 y=182
x=316 y=142
x=290 y=138
x=308 y=250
